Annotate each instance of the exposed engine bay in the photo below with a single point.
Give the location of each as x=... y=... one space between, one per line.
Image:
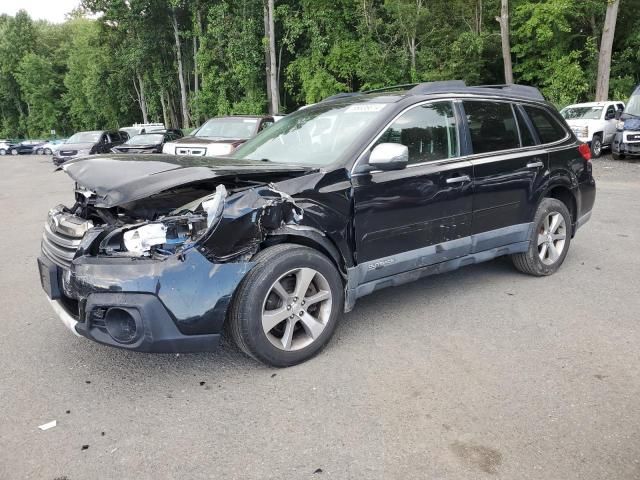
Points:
x=224 y=221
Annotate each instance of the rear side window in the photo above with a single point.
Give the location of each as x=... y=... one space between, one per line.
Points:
x=525 y=133
x=549 y=130
x=429 y=131
x=492 y=126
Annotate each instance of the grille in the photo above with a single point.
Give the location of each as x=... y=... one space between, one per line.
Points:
x=198 y=152
x=67 y=153
x=62 y=235
x=58 y=247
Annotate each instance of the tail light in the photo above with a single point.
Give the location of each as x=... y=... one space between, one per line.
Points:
x=585 y=151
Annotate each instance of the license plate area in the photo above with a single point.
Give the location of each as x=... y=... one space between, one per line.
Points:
x=49 y=278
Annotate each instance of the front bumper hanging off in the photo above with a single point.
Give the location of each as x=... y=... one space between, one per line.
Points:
x=164 y=306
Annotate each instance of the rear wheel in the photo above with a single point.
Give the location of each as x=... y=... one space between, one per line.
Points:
x=596 y=146
x=38 y=151
x=287 y=307
x=47 y=151
x=3 y=151
x=549 y=242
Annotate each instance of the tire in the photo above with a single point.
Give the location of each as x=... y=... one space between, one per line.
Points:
x=13 y=151
x=617 y=156
x=542 y=259
x=596 y=146
x=291 y=334
x=3 y=151
x=47 y=151
x=38 y=151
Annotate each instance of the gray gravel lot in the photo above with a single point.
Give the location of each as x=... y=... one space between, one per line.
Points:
x=480 y=373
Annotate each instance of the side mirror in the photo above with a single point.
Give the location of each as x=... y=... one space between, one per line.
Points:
x=389 y=156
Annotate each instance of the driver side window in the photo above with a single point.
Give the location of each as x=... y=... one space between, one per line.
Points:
x=428 y=131
x=611 y=113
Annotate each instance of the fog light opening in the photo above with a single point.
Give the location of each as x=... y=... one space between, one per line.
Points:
x=121 y=325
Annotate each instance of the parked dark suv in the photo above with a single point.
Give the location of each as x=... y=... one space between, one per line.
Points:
x=88 y=143
x=333 y=202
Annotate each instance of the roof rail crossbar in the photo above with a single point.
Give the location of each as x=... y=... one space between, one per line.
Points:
x=436 y=87
x=519 y=90
x=403 y=86
x=341 y=95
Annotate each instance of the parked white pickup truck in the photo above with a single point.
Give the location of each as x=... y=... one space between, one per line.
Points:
x=593 y=123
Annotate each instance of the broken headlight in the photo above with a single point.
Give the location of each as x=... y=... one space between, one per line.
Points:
x=168 y=235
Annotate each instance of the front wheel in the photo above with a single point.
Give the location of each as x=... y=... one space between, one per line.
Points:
x=617 y=156
x=47 y=151
x=549 y=241
x=3 y=151
x=14 y=151
x=287 y=307
x=38 y=151
x=596 y=146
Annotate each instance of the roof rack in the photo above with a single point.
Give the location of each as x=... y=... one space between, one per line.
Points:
x=437 y=87
x=392 y=88
x=450 y=86
x=519 y=90
x=342 y=95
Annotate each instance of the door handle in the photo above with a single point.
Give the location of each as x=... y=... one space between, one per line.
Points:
x=462 y=178
x=535 y=165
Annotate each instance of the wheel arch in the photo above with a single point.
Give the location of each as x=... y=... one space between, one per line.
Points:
x=566 y=195
x=308 y=237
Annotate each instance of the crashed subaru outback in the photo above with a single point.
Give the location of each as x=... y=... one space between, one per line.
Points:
x=332 y=203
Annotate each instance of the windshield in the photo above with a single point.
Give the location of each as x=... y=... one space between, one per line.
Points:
x=318 y=135
x=582 y=113
x=229 y=127
x=85 y=137
x=633 y=107
x=145 y=139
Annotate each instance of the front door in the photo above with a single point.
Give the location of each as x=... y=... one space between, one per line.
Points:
x=420 y=215
x=610 y=124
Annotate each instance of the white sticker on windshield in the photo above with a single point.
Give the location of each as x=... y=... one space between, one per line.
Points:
x=365 y=108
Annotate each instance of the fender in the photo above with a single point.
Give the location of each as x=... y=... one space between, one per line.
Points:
x=313 y=237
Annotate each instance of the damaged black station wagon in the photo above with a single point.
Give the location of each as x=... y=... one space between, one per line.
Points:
x=356 y=193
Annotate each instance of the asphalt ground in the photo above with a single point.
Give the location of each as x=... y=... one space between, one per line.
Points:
x=479 y=373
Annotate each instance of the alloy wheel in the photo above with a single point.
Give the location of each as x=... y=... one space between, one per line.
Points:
x=552 y=237
x=597 y=147
x=14 y=151
x=296 y=309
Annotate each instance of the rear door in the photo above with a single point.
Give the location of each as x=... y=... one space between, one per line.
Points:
x=508 y=168
x=409 y=218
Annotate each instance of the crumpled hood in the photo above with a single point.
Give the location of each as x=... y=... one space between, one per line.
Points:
x=631 y=123
x=121 y=179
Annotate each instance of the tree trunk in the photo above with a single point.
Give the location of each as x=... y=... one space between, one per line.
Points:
x=142 y=100
x=606 y=45
x=165 y=113
x=273 y=68
x=411 y=44
x=183 y=86
x=503 y=20
x=267 y=58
